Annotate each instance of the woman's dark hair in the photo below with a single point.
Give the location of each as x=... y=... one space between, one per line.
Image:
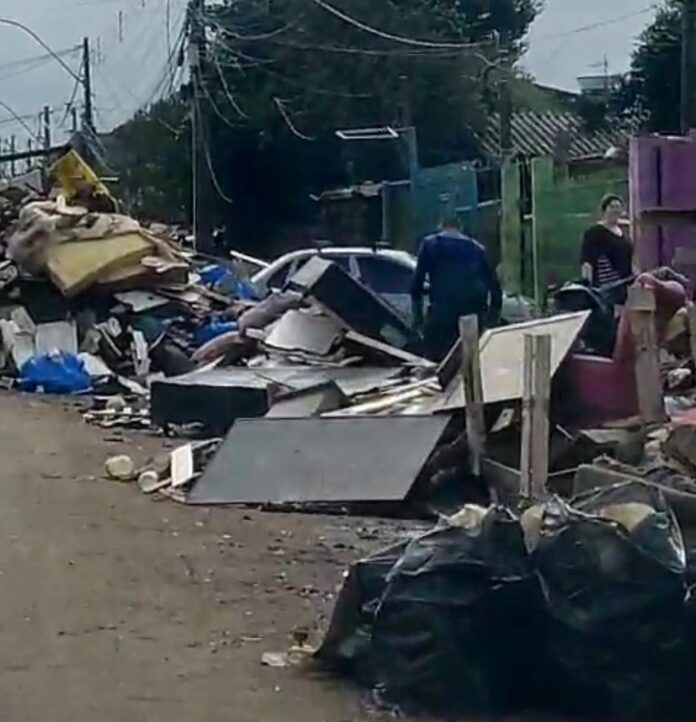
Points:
x=608 y=200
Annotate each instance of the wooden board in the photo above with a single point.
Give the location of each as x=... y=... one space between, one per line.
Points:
x=502 y=357
x=75 y=266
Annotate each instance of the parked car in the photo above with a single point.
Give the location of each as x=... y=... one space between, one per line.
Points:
x=388 y=272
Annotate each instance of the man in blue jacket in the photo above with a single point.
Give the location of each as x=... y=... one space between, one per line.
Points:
x=461 y=283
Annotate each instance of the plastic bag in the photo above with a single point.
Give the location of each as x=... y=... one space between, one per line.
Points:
x=57 y=373
x=457 y=630
x=212 y=330
x=612 y=567
x=347 y=644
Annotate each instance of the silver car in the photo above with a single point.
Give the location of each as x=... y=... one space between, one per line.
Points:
x=389 y=273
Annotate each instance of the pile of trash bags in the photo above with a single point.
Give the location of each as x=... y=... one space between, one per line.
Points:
x=577 y=608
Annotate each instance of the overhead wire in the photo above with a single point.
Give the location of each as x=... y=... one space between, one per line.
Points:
x=20 y=120
x=206 y=147
x=228 y=93
x=36 y=37
x=289 y=122
x=390 y=36
x=597 y=25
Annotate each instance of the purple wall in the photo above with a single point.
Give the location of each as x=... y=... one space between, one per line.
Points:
x=663 y=175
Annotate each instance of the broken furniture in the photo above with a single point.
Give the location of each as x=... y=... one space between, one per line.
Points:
x=352 y=304
x=374 y=459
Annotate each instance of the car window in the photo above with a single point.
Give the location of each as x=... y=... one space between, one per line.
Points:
x=385 y=276
x=342 y=261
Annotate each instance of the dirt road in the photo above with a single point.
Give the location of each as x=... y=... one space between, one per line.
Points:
x=119 y=607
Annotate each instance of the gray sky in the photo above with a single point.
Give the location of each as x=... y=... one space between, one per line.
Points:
x=128 y=72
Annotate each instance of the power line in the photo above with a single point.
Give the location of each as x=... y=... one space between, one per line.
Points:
x=41 y=42
x=597 y=25
x=20 y=120
x=36 y=58
x=389 y=36
x=288 y=121
x=204 y=143
x=223 y=82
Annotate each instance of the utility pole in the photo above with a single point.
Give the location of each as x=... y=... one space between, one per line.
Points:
x=688 y=69
x=505 y=98
x=88 y=117
x=199 y=149
x=13 y=150
x=46 y=118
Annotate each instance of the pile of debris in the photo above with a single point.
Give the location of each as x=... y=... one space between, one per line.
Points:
x=91 y=300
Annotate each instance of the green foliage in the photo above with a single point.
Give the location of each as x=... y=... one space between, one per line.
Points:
x=650 y=96
x=281 y=76
x=152 y=156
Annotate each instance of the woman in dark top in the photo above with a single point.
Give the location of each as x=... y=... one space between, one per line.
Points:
x=607 y=253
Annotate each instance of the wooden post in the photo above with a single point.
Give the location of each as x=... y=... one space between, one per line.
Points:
x=534 y=461
x=473 y=391
x=641 y=308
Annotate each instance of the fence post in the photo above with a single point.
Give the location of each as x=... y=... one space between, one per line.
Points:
x=473 y=391
x=641 y=308
x=536 y=394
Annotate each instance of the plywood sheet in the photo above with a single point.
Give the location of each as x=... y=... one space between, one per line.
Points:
x=502 y=356
x=319 y=460
x=75 y=266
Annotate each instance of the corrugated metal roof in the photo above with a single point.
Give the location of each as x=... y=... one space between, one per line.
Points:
x=536 y=134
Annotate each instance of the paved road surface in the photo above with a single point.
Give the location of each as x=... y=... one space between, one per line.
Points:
x=116 y=607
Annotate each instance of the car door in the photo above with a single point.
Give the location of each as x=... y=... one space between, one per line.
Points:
x=391 y=280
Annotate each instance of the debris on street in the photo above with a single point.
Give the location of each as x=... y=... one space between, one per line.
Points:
x=558 y=452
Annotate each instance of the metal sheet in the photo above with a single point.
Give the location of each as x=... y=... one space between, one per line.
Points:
x=502 y=355
x=319 y=460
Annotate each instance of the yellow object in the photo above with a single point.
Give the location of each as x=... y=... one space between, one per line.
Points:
x=74 y=173
x=74 y=267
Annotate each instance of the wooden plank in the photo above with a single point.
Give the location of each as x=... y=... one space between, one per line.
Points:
x=534 y=461
x=383 y=348
x=473 y=391
x=526 y=442
x=641 y=309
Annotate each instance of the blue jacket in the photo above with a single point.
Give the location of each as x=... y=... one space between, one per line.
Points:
x=462 y=281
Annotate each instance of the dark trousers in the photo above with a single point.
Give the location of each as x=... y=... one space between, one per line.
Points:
x=441 y=332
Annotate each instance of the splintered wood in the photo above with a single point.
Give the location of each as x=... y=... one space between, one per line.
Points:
x=534 y=461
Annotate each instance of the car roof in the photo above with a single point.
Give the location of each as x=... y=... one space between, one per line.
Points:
x=403 y=256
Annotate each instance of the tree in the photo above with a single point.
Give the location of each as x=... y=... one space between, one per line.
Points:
x=281 y=76
x=650 y=96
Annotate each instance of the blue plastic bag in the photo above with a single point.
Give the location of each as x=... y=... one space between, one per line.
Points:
x=58 y=373
x=212 y=330
x=224 y=280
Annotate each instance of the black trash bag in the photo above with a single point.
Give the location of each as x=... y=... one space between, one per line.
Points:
x=457 y=631
x=612 y=567
x=347 y=645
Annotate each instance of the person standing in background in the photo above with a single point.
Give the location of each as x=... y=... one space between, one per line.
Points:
x=607 y=251
x=462 y=283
